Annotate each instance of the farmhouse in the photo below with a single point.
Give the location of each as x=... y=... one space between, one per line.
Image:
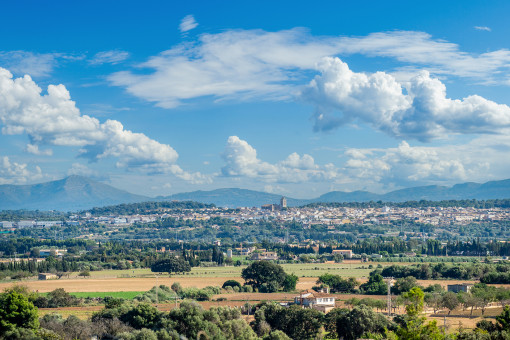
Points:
x=54 y=252
x=463 y=287
x=320 y=301
x=47 y=276
x=266 y=255
x=347 y=253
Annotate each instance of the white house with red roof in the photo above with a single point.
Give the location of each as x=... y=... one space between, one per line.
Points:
x=322 y=300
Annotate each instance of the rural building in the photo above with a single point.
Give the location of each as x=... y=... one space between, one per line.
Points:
x=25 y=224
x=246 y=251
x=48 y=252
x=270 y=207
x=48 y=224
x=463 y=287
x=267 y=255
x=347 y=253
x=320 y=301
x=47 y=276
x=6 y=224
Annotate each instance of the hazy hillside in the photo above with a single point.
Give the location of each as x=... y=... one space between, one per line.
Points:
x=233 y=197
x=79 y=193
x=68 y=194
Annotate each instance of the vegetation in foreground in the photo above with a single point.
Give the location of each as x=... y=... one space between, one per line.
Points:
x=120 y=319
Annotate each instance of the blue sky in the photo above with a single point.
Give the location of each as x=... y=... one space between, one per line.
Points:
x=295 y=98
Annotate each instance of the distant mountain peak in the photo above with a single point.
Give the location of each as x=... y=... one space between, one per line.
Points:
x=68 y=194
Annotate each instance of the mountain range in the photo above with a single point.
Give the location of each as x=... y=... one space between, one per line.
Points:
x=75 y=193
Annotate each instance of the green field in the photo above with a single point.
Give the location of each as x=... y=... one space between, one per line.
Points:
x=299 y=269
x=357 y=270
x=317 y=269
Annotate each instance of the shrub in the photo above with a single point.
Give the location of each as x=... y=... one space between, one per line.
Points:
x=176 y=287
x=84 y=273
x=231 y=283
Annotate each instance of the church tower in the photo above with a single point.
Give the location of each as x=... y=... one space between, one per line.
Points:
x=283 y=202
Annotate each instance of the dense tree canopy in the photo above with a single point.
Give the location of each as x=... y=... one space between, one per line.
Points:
x=267 y=276
x=16 y=312
x=171 y=265
x=359 y=321
x=296 y=322
x=337 y=284
x=375 y=285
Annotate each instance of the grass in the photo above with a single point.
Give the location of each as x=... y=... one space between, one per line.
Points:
x=317 y=269
x=82 y=313
x=357 y=270
x=124 y=295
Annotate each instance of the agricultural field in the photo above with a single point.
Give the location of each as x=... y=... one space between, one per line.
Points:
x=136 y=280
x=132 y=282
x=122 y=295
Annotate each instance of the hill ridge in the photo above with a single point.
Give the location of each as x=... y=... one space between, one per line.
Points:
x=74 y=193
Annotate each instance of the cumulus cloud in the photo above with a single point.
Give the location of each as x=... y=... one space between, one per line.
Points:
x=248 y=64
x=406 y=164
x=187 y=23
x=54 y=119
x=34 y=149
x=109 y=57
x=17 y=173
x=482 y=159
x=422 y=112
x=242 y=161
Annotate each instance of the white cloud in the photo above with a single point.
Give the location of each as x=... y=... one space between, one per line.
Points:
x=420 y=49
x=54 y=119
x=23 y=62
x=378 y=99
x=248 y=64
x=483 y=28
x=242 y=161
x=17 y=173
x=480 y=160
x=34 y=149
x=38 y=65
x=187 y=23
x=82 y=170
x=109 y=57
x=407 y=165
x=375 y=169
